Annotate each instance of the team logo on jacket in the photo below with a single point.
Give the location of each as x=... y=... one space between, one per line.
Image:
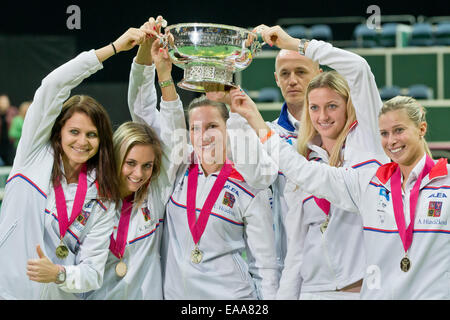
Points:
x=83 y=217
x=146 y=214
x=434 y=209
x=229 y=199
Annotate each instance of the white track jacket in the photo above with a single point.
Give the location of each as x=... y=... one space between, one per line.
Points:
x=143 y=279
x=332 y=260
x=28 y=215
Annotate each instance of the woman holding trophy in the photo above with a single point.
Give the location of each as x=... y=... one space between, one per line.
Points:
x=403 y=214
x=218 y=240
x=146 y=174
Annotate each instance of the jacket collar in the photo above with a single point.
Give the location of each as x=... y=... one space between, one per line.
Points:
x=284 y=121
x=385 y=172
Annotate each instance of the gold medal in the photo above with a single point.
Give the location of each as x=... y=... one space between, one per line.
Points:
x=62 y=251
x=196 y=255
x=121 y=269
x=405 y=264
x=324 y=225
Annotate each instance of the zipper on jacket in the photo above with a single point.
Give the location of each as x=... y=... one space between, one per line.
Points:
x=327 y=258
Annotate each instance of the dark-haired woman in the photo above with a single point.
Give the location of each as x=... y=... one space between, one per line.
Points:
x=56 y=216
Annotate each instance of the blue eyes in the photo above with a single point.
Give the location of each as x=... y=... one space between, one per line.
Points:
x=330 y=106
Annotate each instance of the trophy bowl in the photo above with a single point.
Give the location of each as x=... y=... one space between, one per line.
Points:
x=210 y=54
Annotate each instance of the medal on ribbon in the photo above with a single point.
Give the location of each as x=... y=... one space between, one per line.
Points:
x=61 y=208
x=406 y=234
x=197 y=226
x=325 y=206
x=117 y=246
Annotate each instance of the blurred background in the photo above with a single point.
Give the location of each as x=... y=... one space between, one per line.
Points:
x=409 y=52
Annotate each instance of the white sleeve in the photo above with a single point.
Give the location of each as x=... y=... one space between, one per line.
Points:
x=47 y=103
x=261 y=245
x=363 y=90
x=87 y=273
x=168 y=122
x=249 y=157
x=142 y=97
x=173 y=137
x=296 y=230
x=341 y=186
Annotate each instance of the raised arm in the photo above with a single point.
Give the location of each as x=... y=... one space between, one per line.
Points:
x=142 y=97
x=249 y=158
x=355 y=69
x=55 y=89
x=363 y=90
x=341 y=186
x=168 y=122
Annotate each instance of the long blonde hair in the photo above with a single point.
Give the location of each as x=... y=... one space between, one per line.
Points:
x=126 y=137
x=336 y=82
x=415 y=111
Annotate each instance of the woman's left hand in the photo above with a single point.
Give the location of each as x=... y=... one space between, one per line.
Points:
x=42 y=269
x=160 y=56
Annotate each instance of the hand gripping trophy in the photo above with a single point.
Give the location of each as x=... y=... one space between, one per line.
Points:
x=210 y=53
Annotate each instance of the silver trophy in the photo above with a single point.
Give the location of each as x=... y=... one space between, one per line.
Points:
x=210 y=54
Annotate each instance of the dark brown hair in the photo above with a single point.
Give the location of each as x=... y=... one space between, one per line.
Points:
x=103 y=161
x=203 y=101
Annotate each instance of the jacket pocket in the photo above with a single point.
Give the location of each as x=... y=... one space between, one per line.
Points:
x=8 y=233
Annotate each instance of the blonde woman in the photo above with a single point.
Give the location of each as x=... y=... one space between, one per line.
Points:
x=403 y=204
x=146 y=175
x=325 y=254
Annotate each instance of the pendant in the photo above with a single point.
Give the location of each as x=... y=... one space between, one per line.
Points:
x=324 y=225
x=121 y=269
x=405 y=264
x=62 y=251
x=196 y=255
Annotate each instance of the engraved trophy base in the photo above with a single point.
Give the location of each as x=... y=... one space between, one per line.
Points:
x=206 y=78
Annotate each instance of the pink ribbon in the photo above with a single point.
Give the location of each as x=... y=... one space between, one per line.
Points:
x=406 y=234
x=198 y=227
x=323 y=204
x=61 y=207
x=117 y=246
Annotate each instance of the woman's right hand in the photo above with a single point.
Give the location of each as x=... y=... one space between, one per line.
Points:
x=242 y=104
x=130 y=39
x=163 y=64
x=153 y=29
x=277 y=36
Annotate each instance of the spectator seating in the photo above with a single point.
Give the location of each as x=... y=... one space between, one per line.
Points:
x=442 y=34
x=420 y=91
x=421 y=35
x=321 y=32
x=388 y=35
x=365 y=37
x=388 y=92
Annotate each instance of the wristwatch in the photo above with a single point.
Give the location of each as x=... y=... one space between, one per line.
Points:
x=61 y=276
x=301 y=46
x=165 y=83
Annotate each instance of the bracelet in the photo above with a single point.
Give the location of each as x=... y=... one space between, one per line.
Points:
x=267 y=136
x=114 y=48
x=165 y=83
